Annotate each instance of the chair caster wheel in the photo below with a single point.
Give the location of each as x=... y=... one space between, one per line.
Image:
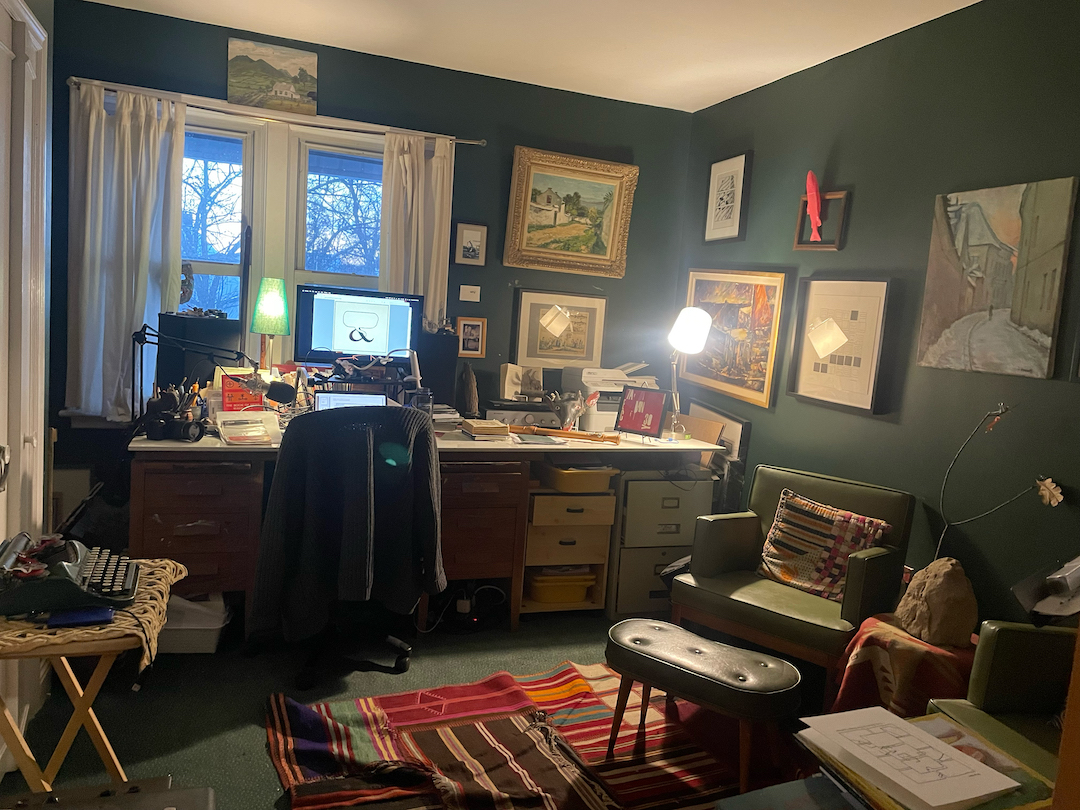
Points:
x=401 y=664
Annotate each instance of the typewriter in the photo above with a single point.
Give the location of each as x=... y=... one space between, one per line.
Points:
x=56 y=572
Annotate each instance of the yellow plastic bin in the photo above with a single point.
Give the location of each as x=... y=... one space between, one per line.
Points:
x=560 y=587
x=575 y=481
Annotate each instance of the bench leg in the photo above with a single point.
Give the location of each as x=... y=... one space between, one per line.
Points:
x=746 y=740
x=646 y=693
x=625 y=685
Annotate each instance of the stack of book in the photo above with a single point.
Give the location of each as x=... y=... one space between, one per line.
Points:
x=445 y=418
x=486 y=430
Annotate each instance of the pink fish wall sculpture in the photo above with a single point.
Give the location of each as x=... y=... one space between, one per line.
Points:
x=813 y=206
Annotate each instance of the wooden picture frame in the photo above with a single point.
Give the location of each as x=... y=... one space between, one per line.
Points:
x=569 y=214
x=833 y=211
x=740 y=355
x=470 y=244
x=472 y=336
x=728 y=193
x=580 y=345
x=845 y=319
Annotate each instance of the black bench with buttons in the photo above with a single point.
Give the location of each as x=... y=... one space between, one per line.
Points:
x=746 y=685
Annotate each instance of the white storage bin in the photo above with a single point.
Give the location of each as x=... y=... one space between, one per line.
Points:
x=193 y=627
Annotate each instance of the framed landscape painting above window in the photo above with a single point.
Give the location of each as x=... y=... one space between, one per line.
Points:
x=569 y=214
x=739 y=358
x=555 y=330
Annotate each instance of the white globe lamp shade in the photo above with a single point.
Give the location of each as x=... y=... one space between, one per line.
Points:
x=690 y=331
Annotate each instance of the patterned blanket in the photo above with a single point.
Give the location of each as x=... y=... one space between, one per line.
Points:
x=530 y=741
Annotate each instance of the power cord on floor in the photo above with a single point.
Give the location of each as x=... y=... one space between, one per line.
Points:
x=438 y=621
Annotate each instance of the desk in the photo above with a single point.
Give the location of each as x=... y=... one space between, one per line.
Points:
x=201 y=504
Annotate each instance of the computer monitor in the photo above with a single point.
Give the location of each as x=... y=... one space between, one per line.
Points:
x=333 y=322
x=327 y=400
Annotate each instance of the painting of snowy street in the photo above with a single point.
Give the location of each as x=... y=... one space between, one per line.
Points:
x=995 y=277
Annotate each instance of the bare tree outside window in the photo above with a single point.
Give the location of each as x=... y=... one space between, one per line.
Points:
x=344 y=202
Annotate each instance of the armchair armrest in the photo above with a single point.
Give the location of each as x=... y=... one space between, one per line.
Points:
x=873 y=583
x=723 y=543
x=1020 y=668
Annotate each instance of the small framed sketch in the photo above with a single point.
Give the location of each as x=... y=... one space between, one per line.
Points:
x=837 y=343
x=555 y=330
x=472 y=337
x=470 y=246
x=727 y=195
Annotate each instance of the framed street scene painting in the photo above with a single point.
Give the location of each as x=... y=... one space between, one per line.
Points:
x=569 y=214
x=995 y=277
x=555 y=330
x=837 y=344
x=739 y=358
x=727 y=195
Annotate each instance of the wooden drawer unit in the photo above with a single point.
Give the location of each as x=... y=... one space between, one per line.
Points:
x=211 y=573
x=205 y=486
x=567 y=545
x=166 y=534
x=483 y=485
x=573 y=510
x=479 y=543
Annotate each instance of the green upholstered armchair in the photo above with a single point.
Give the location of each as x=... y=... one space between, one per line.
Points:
x=724 y=591
x=1018 y=683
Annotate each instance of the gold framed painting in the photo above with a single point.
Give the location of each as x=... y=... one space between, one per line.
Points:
x=569 y=214
x=739 y=358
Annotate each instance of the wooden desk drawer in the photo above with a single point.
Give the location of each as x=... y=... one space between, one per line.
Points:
x=483 y=489
x=567 y=545
x=168 y=533
x=210 y=573
x=565 y=510
x=199 y=491
x=478 y=543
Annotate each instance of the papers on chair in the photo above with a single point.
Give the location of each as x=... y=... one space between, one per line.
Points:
x=914 y=767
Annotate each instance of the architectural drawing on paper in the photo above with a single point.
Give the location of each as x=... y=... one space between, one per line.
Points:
x=907 y=755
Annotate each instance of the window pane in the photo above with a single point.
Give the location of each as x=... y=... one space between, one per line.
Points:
x=213 y=198
x=344 y=198
x=216 y=292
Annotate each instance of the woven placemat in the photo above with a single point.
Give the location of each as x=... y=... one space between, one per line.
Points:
x=144 y=618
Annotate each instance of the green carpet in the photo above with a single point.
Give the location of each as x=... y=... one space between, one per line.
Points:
x=200 y=717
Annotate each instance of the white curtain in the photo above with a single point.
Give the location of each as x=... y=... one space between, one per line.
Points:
x=123 y=240
x=414 y=242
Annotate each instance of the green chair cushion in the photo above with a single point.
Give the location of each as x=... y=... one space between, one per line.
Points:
x=1021 y=739
x=770 y=607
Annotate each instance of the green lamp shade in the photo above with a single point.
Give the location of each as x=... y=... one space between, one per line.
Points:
x=271 y=316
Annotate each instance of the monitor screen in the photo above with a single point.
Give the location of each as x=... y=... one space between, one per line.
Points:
x=325 y=400
x=333 y=322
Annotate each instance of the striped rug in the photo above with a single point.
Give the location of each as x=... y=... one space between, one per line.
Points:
x=466 y=746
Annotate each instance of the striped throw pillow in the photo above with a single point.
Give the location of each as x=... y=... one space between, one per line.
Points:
x=809 y=543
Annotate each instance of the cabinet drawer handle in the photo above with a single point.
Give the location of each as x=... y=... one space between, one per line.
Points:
x=197 y=527
x=575 y=510
x=568 y=542
x=479 y=488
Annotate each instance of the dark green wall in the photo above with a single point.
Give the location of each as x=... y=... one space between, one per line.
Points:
x=102 y=42
x=984 y=97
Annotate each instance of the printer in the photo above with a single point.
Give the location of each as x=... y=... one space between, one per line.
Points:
x=609 y=383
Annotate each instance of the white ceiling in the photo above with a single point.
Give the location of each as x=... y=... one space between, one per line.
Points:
x=682 y=54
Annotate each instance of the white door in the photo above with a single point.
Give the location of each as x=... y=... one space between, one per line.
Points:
x=23 y=84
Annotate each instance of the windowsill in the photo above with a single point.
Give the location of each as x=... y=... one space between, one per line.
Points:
x=82 y=421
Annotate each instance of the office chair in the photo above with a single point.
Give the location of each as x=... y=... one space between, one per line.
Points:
x=351 y=535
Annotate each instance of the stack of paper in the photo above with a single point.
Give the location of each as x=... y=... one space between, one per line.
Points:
x=488 y=430
x=917 y=769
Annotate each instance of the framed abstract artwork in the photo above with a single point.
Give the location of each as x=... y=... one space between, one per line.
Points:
x=739 y=358
x=569 y=214
x=995 y=277
x=836 y=347
x=728 y=188
x=555 y=330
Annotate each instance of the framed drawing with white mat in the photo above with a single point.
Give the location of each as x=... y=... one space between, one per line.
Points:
x=836 y=343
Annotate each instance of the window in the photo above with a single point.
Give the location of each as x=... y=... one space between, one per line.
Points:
x=343 y=201
x=213 y=221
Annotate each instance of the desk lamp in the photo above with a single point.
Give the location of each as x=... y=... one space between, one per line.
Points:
x=687 y=336
x=271 y=317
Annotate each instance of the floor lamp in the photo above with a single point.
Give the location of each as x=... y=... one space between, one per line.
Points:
x=687 y=336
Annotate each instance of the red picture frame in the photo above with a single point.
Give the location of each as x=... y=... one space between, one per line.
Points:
x=641 y=411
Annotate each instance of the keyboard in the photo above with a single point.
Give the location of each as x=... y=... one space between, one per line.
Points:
x=113 y=576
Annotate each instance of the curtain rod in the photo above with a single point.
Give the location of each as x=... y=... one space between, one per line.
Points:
x=225 y=108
